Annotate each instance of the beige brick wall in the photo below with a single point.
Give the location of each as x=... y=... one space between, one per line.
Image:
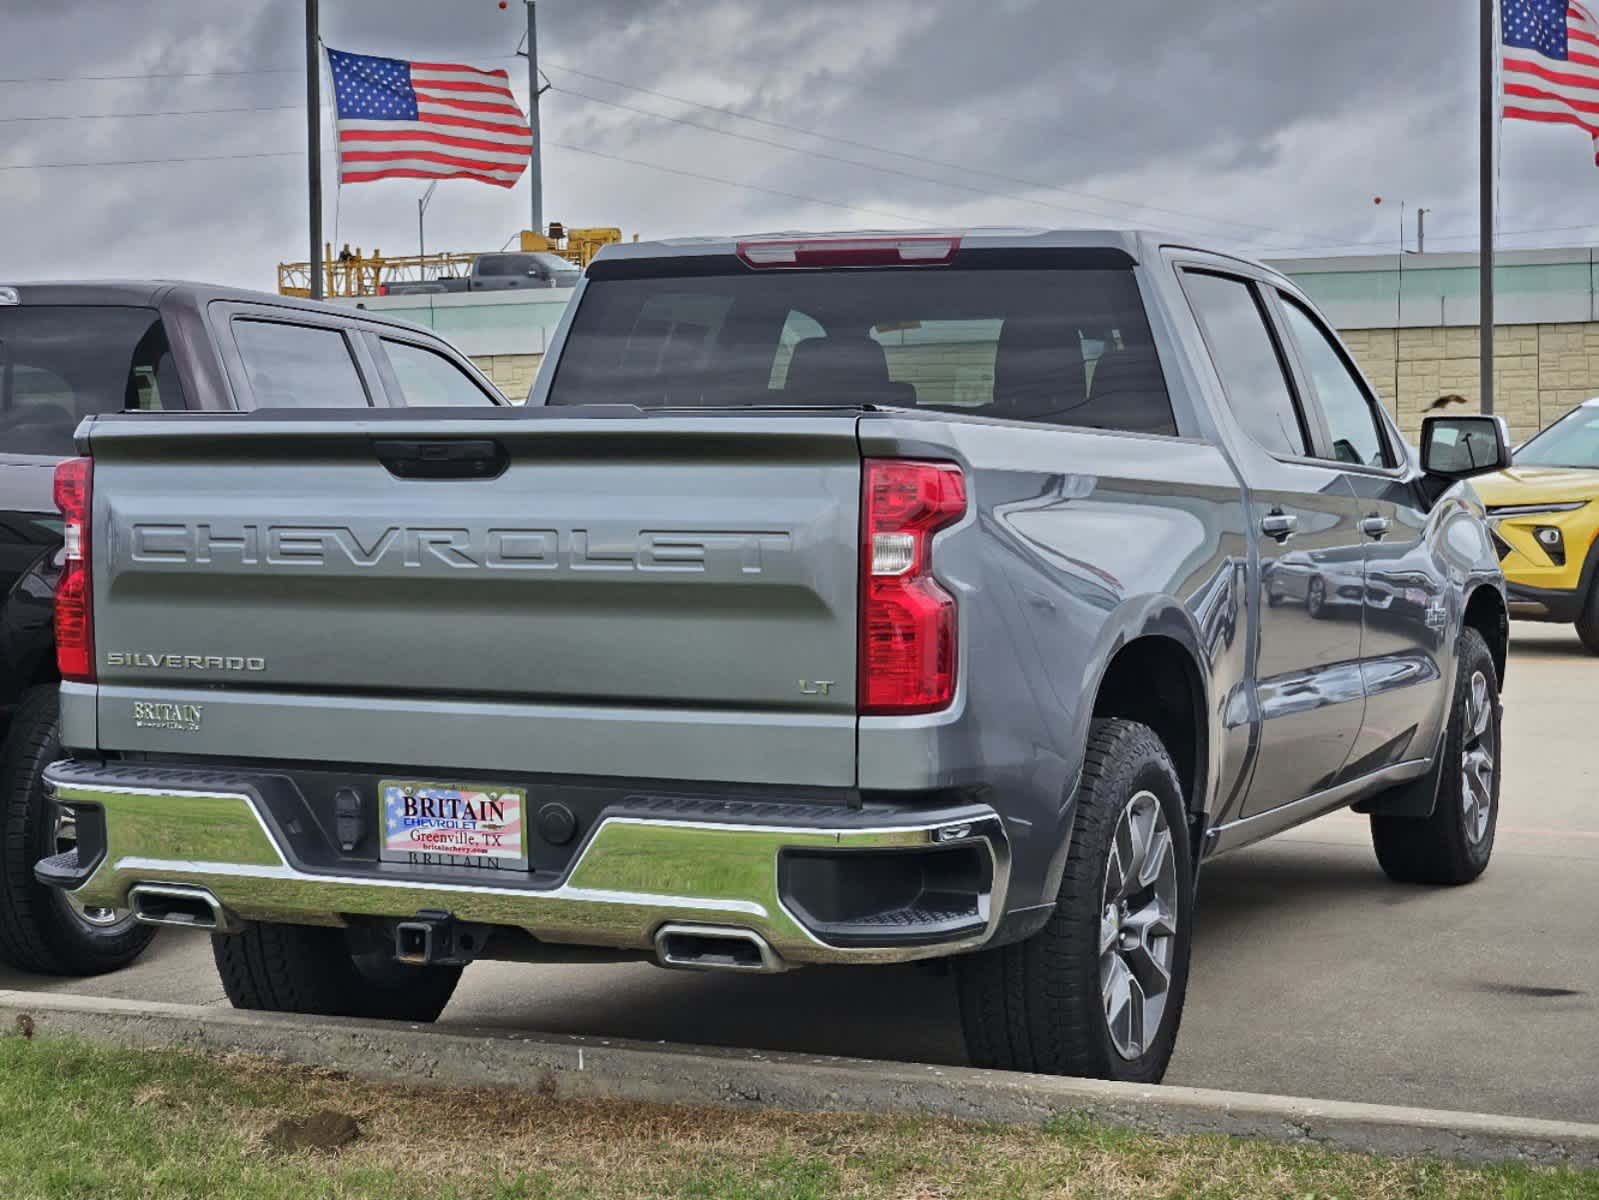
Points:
x=1540 y=371
x=511 y=373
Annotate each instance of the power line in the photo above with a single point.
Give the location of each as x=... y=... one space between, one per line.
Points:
x=145 y=162
x=151 y=75
x=822 y=154
x=170 y=112
x=753 y=187
x=925 y=160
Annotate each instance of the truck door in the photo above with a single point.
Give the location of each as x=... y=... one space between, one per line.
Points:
x=1307 y=681
x=1405 y=608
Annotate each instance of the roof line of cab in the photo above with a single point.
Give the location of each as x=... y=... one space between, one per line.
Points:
x=152 y=293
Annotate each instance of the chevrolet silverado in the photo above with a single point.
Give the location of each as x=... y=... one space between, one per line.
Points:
x=836 y=599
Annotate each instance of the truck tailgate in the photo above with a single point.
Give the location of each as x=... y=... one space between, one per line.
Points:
x=577 y=595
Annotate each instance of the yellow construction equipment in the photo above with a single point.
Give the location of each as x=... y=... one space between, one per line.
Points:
x=355 y=273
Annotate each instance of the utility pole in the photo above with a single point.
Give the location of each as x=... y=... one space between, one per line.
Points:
x=535 y=168
x=1421 y=230
x=1489 y=102
x=421 y=211
x=313 y=120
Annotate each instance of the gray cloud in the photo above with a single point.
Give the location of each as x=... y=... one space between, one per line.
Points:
x=1265 y=123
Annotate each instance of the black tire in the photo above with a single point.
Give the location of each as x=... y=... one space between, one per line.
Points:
x=315 y=969
x=1037 y=1005
x=40 y=930
x=1316 y=599
x=1588 y=621
x=1442 y=849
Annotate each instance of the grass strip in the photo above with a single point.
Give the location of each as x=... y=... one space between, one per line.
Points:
x=90 y=1122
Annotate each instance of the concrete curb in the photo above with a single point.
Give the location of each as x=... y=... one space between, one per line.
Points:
x=611 y=1069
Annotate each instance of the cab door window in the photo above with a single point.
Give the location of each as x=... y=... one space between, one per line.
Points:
x=1246 y=359
x=428 y=379
x=1354 y=434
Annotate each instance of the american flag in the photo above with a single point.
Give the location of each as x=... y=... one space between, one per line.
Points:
x=1551 y=57
x=422 y=120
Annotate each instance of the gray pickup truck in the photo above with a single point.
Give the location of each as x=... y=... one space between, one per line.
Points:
x=849 y=599
x=496 y=273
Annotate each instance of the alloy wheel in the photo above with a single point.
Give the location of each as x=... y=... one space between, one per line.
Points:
x=1138 y=925
x=1477 y=759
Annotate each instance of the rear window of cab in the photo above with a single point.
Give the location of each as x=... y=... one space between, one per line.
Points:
x=1059 y=345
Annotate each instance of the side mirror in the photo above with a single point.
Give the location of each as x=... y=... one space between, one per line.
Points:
x=1460 y=447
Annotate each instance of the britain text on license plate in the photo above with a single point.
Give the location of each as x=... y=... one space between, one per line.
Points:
x=454 y=825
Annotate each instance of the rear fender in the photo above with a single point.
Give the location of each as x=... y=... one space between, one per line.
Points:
x=1151 y=617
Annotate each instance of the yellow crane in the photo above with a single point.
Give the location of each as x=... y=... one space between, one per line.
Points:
x=355 y=273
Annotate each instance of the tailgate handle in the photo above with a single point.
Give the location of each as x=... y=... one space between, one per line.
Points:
x=453 y=458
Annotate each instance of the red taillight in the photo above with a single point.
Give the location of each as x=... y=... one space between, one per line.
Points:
x=908 y=636
x=874 y=251
x=383 y=289
x=74 y=612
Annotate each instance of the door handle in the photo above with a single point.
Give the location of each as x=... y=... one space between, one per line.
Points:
x=1375 y=526
x=1279 y=525
x=443 y=459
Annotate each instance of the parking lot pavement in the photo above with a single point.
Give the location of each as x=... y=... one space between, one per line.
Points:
x=1313 y=975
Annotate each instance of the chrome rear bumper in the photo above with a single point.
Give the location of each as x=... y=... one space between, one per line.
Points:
x=631 y=878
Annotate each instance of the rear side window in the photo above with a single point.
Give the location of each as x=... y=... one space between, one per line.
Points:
x=429 y=380
x=1246 y=358
x=298 y=366
x=59 y=364
x=1067 y=346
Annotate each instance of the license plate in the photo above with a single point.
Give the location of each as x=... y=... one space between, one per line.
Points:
x=454 y=825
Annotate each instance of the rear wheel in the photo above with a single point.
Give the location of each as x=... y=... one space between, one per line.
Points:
x=313 y=969
x=1099 y=990
x=1454 y=844
x=43 y=929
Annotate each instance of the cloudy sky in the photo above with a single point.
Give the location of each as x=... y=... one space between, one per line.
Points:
x=1262 y=124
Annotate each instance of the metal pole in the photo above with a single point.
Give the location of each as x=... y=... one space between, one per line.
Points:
x=535 y=169
x=422 y=203
x=313 y=121
x=1489 y=115
x=1421 y=230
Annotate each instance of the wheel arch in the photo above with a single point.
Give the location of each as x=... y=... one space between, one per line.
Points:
x=1487 y=613
x=1153 y=675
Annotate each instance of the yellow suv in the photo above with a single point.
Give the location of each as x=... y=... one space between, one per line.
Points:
x=1544 y=512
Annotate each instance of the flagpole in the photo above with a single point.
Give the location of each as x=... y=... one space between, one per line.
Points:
x=313 y=117
x=1490 y=115
x=535 y=167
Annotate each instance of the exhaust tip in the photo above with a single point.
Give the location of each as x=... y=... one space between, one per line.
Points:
x=715 y=948
x=179 y=905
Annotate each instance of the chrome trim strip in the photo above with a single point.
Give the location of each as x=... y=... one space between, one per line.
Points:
x=1534 y=510
x=1248 y=830
x=630 y=876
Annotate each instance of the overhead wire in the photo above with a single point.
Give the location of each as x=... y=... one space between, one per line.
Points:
x=150 y=75
x=925 y=159
x=753 y=187
x=838 y=158
x=170 y=112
